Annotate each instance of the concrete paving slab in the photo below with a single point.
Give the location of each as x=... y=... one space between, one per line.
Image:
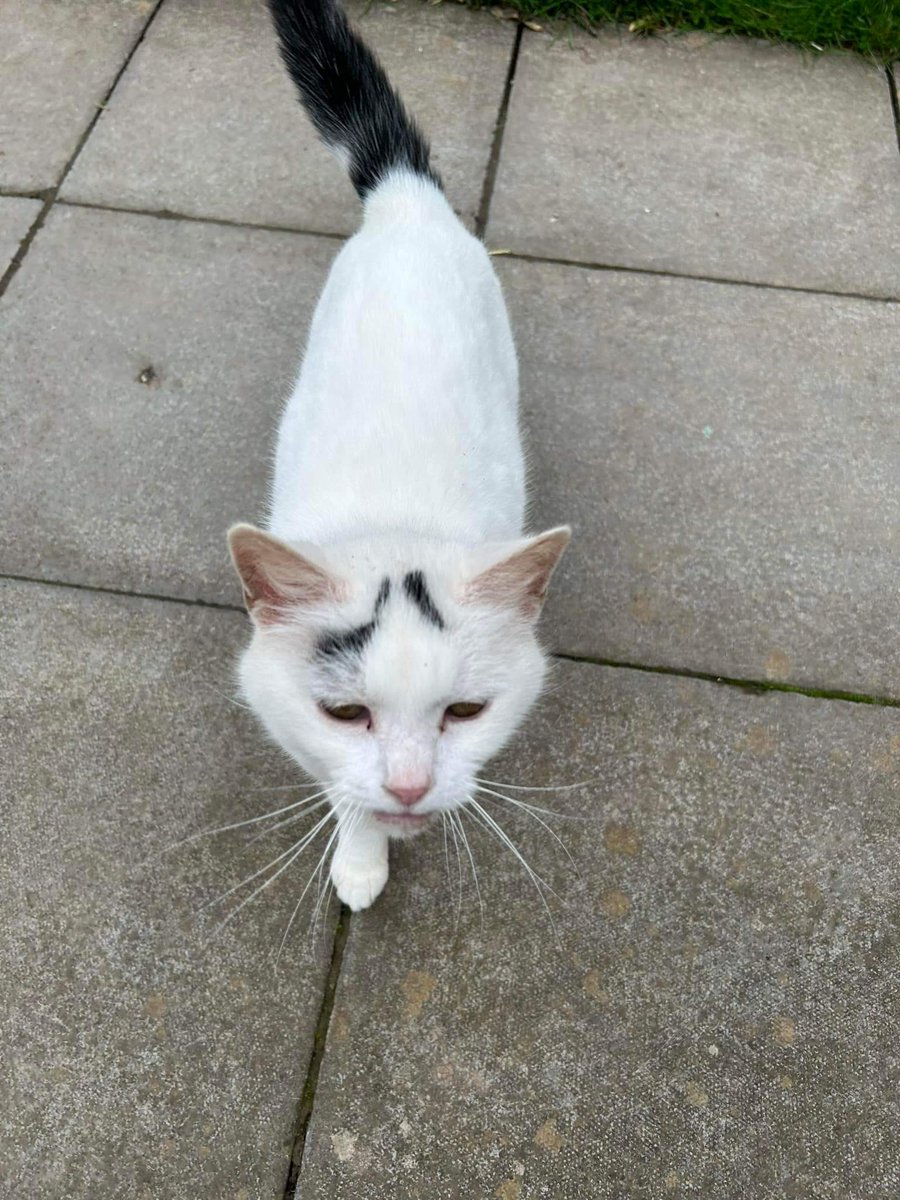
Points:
x=16 y=216
x=205 y=121
x=58 y=59
x=730 y=460
x=133 y=445
x=719 y=1016
x=708 y=156
x=143 y=1057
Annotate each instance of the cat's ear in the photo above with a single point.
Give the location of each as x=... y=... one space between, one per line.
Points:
x=519 y=577
x=277 y=580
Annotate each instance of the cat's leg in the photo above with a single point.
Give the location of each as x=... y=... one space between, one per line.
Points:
x=359 y=868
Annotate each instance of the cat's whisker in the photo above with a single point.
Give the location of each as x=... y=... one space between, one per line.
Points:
x=295 y=850
x=288 y=787
x=346 y=824
x=453 y=834
x=241 y=824
x=334 y=834
x=323 y=885
x=356 y=815
x=288 y=821
x=533 y=808
x=328 y=893
x=518 y=787
x=312 y=924
x=304 y=843
x=321 y=894
x=532 y=812
x=455 y=819
x=505 y=839
x=230 y=699
x=446 y=847
x=501 y=832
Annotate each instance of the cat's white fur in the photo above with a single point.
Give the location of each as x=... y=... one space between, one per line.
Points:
x=398 y=452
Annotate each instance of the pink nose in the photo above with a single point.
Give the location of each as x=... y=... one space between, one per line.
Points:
x=408 y=796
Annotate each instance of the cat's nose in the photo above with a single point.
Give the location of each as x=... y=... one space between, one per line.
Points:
x=408 y=792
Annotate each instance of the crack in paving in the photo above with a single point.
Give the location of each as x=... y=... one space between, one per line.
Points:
x=49 y=194
x=720 y=279
x=167 y=214
x=307 y=1100
x=41 y=194
x=758 y=687
x=105 y=590
x=895 y=101
x=490 y=175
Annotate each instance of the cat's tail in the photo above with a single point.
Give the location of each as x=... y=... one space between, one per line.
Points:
x=344 y=89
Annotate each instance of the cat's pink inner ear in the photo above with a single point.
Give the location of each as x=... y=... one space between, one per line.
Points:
x=520 y=579
x=276 y=578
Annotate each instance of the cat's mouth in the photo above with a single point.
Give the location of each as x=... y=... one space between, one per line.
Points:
x=403 y=820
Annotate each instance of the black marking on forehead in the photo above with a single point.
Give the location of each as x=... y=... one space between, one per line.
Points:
x=415 y=587
x=344 y=645
x=353 y=641
x=381 y=599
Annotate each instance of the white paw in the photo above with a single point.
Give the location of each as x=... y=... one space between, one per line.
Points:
x=358 y=883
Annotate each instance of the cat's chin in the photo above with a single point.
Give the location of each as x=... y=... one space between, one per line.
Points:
x=403 y=825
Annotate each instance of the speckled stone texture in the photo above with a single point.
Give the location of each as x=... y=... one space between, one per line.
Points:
x=708 y=156
x=58 y=59
x=719 y=1015
x=16 y=217
x=143 y=1056
x=206 y=122
x=108 y=480
x=729 y=458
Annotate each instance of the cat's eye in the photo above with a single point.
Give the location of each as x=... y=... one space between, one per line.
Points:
x=347 y=712
x=465 y=710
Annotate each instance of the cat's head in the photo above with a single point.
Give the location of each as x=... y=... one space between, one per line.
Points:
x=391 y=673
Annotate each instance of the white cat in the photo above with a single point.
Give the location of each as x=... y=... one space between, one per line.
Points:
x=394 y=597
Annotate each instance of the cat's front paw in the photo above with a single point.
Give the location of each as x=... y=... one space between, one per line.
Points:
x=358 y=883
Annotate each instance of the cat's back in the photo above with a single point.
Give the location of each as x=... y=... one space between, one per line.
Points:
x=408 y=389
x=412 y=292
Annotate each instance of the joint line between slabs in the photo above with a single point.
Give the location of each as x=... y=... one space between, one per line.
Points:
x=659 y=273
x=104 y=590
x=513 y=255
x=490 y=175
x=750 y=685
x=166 y=214
x=49 y=195
x=307 y=1100
x=895 y=100
x=757 y=686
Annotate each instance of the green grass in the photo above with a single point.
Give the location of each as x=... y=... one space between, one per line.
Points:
x=871 y=27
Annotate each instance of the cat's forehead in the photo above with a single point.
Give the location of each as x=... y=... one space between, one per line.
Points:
x=410 y=665
x=404 y=650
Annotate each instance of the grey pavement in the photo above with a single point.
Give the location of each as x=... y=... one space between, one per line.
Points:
x=58 y=60
x=712 y=1011
x=100 y=468
x=144 y=1052
x=700 y=242
x=703 y=156
x=730 y=459
x=16 y=218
